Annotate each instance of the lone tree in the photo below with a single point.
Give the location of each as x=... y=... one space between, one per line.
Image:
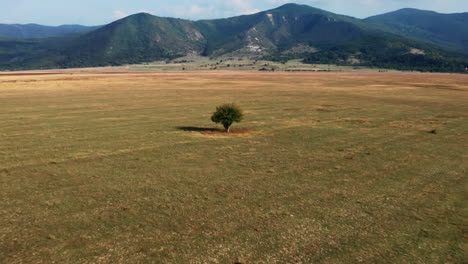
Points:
x=227 y=114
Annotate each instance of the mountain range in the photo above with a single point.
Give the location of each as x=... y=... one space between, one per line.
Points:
x=30 y=31
x=407 y=39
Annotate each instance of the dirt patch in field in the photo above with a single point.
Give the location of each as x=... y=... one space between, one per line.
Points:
x=357 y=121
x=235 y=132
x=423 y=123
x=199 y=129
x=210 y=131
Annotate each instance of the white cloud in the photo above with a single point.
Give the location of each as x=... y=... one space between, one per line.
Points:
x=277 y=2
x=144 y=11
x=118 y=14
x=193 y=11
x=241 y=7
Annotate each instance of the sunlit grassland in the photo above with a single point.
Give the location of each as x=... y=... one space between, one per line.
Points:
x=337 y=168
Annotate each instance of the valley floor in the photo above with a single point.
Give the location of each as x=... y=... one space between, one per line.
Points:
x=336 y=167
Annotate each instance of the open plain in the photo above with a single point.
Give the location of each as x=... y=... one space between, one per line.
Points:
x=124 y=167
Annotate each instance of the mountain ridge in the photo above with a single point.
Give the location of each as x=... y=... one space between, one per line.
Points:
x=446 y=30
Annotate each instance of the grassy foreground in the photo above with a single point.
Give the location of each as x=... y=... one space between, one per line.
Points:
x=334 y=168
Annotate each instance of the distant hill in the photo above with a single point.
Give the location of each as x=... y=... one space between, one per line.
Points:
x=137 y=38
x=446 y=30
x=288 y=32
x=30 y=31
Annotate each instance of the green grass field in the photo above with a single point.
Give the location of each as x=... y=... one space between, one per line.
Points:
x=330 y=168
x=242 y=64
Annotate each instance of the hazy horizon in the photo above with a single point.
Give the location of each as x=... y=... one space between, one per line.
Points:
x=91 y=13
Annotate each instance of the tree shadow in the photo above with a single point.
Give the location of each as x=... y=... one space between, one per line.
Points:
x=199 y=129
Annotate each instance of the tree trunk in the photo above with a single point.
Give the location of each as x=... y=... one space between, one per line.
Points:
x=228 y=129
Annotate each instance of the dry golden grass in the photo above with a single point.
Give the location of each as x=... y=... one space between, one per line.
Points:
x=124 y=167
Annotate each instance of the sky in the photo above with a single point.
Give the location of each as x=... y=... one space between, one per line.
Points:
x=99 y=12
